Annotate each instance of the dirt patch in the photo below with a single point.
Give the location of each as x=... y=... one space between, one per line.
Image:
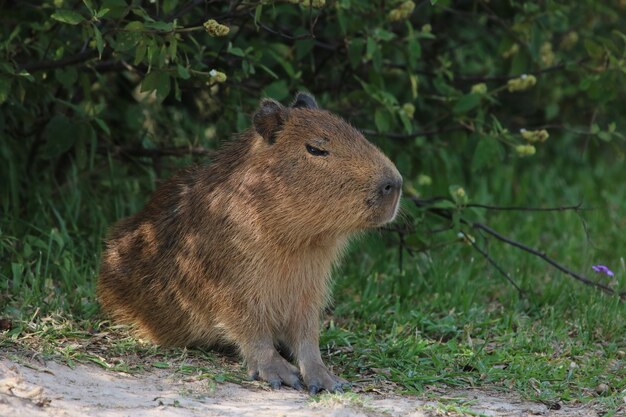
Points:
x=35 y=390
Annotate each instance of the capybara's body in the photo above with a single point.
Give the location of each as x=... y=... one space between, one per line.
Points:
x=240 y=251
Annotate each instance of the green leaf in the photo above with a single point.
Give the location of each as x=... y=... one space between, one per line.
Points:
x=159 y=81
x=59 y=137
x=89 y=5
x=277 y=90
x=102 y=12
x=404 y=163
x=182 y=72
x=414 y=50
x=161 y=26
x=140 y=52
x=383 y=34
x=237 y=52
x=67 y=76
x=406 y=122
x=172 y=49
x=257 y=15
x=99 y=41
x=67 y=16
x=444 y=204
x=5 y=88
x=382 y=119
x=161 y=365
x=269 y=71
x=487 y=154
x=372 y=47
x=125 y=41
x=135 y=26
x=84 y=136
x=102 y=124
x=466 y=103
x=355 y=52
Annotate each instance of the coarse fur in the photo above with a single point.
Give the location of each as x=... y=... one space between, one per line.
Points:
x=240 y=251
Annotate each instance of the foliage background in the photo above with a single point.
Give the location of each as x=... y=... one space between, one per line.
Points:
x=100 y=99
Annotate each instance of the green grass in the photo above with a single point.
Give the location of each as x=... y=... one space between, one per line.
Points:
x=446 y=318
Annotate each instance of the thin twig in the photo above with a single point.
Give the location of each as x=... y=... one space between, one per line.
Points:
x=546 y=258
x=577 y=207
x=483 y=227
x=423 y=202
x=494 y=264
x=152 y=153
x=392 y=135
x=78 y=58
x=281 y=33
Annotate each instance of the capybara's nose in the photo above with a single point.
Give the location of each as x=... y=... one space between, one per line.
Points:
x=391 y=185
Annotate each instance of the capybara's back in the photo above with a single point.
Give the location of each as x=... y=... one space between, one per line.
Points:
x=240 y=251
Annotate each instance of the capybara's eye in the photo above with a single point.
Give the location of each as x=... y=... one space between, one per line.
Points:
x=316 y=151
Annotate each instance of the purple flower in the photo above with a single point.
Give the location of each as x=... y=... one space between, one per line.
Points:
x=603 y=270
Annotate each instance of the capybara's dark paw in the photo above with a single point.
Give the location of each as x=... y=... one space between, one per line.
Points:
x=277 y=372
x=320 y=378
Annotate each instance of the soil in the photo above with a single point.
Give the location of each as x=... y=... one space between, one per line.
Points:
x=35 y=389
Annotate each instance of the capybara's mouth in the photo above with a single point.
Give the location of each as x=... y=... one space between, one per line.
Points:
x=394 y=208
x=389 y=210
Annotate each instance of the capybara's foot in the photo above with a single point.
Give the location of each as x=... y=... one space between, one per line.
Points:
x=276 y=371
x=318 y=378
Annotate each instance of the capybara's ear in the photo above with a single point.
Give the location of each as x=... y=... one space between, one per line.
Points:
x=269 y=119
x=305 y=101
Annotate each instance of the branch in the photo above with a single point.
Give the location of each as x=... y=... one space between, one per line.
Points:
x=61 y=63
x=546 y=258
x=494 y=264
x=482 y=78
x=577 y=207
x=156 y=153
x=445 y=213
x=282 y=34
x=401 y=136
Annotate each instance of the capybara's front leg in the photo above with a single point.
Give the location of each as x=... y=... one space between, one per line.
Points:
x=304 y=342
x=265 y=363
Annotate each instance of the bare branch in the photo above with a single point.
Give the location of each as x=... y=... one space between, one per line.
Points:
x=155 y=153
x=78 y=58
x=400 y=136
x=446 y=213
x=495 y=264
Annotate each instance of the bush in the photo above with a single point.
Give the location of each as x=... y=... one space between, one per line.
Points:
x=95 y=95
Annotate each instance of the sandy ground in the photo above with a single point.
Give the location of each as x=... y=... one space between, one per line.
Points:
x=29 y=389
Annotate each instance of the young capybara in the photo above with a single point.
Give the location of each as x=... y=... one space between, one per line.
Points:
x=240 y=252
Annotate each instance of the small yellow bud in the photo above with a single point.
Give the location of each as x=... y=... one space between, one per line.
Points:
x=316 y=4
x=533 y=136
x=546 y=54
x=217 y=76
x=424 y=180
x=524 y=82
x=569 y=40
x=466 y=238
x=480 y=88
x=525 y=150
x=514 y=49
x=214 y=28
x=409 y=109
x=402 y=12
x=458 y=194
x=427 y=28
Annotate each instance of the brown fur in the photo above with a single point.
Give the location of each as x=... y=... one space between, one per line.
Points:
x=240 y=251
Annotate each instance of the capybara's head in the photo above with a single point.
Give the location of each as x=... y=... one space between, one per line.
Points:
x=328 y=177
